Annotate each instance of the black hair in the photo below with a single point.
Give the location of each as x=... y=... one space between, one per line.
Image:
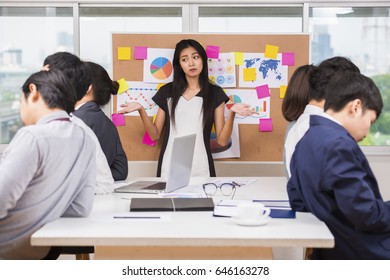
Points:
x=325 y=71
x=74 y=68
x=180 y=83
x=298 y=93
x=348 y=86
x=102 y=85
x=55 y=88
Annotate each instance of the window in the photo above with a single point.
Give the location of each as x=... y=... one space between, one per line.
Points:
x=27 y=36
x=363 y=35
x=96 y=46
x=250 y=19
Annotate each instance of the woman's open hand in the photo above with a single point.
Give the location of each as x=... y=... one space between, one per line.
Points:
x=129 y=107
x=243 y=109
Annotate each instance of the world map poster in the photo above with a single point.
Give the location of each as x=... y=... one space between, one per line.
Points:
x=265 y=71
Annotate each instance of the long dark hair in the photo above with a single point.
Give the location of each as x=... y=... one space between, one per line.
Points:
x=297 y=93
x=180 y=83
x=102 y=85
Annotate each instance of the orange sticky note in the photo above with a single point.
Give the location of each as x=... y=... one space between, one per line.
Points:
x=122 y=85
x=124 y=53
x=239 y=58
x=271 y=51
x=249 y=74
x=282 y=92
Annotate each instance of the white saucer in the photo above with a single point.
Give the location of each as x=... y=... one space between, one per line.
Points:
x=259 y=222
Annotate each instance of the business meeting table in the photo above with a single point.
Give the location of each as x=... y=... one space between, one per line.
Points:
x=188 y=235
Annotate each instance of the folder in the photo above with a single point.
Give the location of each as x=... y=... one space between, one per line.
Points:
x=279 y=208
x=171 y=204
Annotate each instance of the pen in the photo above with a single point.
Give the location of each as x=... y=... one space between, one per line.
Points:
x=135 y=217
x=237 y=184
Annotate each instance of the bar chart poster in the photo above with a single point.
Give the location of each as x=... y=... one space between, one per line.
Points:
x=248 y=96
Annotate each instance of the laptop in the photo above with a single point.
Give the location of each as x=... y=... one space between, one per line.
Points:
x=179 y=171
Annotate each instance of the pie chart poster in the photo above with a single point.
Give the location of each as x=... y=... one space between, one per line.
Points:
x=158 y=66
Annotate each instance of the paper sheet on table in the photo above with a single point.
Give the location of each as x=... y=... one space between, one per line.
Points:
x=182 y=194
x=274 y=203
x=242 y=182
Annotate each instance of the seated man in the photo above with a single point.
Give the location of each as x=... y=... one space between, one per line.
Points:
x=80 y=78
x=48 y=170
x=331 y=177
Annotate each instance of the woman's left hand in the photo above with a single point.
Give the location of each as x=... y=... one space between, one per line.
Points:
x=243 y=109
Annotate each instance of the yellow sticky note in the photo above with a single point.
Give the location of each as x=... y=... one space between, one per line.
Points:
x=122 y=85
x=159 y=85
x=249 y=74
x=271 y=51
x=239 y=58
x=124 y=53
x=282 y=92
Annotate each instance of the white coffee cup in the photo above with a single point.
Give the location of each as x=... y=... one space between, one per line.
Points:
x=252 y=213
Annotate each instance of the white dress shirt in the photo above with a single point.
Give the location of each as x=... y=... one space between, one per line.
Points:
x=298 y=130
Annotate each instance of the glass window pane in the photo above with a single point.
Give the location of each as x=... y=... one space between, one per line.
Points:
x=367 y=45
x=250 y=19
x=96 y=46
x=27 y=36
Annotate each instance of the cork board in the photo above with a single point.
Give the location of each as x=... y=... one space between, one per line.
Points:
x=254 y=145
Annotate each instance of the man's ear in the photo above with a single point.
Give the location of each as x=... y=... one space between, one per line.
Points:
x=34 y=93
x=356 y=107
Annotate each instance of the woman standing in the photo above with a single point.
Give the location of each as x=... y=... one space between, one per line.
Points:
x=190 y=104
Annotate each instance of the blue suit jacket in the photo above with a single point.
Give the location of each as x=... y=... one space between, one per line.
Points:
x=108 y=137
x=331 y=177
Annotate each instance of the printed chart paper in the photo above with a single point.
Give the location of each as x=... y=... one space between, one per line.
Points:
x=158 y=66
x=139 y=92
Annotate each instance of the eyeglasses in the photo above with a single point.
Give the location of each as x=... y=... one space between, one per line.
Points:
x=226 y=189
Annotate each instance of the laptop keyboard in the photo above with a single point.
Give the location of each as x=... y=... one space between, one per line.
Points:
x=157 y=186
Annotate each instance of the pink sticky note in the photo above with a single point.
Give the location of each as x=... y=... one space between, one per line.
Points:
x=212 y=51
x=118 y=119
x=140 y=52
x=288 y=58
x=265 y=125
x=262 y=91
x=147 y=140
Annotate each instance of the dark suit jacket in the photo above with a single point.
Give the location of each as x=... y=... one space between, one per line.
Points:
x=331 y=177
x=108 y=137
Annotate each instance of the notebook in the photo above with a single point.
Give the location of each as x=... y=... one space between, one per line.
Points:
x=171 y=204
x=179 y=171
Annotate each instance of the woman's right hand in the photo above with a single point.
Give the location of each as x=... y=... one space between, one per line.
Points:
x=130 y=107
